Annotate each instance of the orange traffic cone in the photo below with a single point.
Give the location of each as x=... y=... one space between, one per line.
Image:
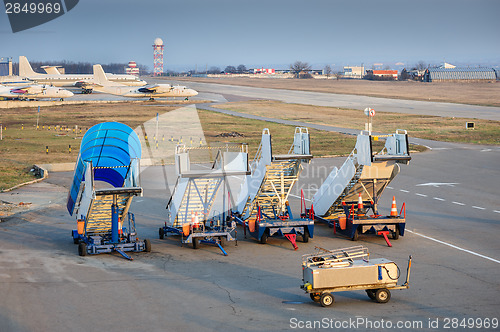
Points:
x=120 y=227
x=360 y=206
x=394 y=209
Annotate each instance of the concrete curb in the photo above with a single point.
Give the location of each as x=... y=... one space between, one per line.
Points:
x=37 y=170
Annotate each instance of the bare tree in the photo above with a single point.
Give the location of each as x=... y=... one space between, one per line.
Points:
x=214 y=70
x=299 y=67
x=421 y=65
x=241 y=69
x=230 y=69
x=327 y=71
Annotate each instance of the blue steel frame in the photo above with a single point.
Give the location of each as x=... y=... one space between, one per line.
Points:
x=100 y=244
x=275 y=226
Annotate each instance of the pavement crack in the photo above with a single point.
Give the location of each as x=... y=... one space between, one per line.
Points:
x=228 y=296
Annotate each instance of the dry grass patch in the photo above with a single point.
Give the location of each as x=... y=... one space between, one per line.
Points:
x=473 y=93
x=23 y=145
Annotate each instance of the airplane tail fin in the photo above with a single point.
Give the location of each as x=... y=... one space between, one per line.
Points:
x=51 y=70
x=100 y=77
x=25 y=67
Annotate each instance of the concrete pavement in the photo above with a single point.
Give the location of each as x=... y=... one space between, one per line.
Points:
x=453 y=218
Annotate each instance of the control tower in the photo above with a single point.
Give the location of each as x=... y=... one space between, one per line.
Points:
x=158 y=57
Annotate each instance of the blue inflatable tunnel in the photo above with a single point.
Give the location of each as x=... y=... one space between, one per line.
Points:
x=111 y=147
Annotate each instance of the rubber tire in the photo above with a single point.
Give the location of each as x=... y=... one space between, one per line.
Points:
x=263 y=239
x=371 y=293
x=196 y=242
x=82 y=249
x=305 y=236
x=355 y=237
x=395 y=235
x=222 y=241
x=326 y=299
x=147 y=245
x=315 y=297
x=382 y=295
x=161 y=233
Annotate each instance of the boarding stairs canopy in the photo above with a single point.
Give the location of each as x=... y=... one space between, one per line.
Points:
x=273 y=176
x=109 y=152
x=363 y=172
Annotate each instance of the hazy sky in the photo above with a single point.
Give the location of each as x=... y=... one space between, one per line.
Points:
x=270 y=33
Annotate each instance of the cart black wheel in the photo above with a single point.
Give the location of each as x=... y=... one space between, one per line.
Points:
x=263 y=239
x=305 y=235
x=161 y=233
x=326 y=299
x=222 y=241
x=147 y=245
x=382 y=295
x=76 y=240
x=315 y=296
x=196 y=243
x=355 y=236
x=371 y=293
x=395 y=234
x=82 y=249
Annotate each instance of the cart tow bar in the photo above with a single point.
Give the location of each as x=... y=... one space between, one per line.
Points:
x=384 y=233
x=406 y=284
x=292 y=238
x=121 y=252
x=216 y=243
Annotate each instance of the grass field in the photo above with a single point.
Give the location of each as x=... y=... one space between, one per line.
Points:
x=421 y=126
x=473 y=93
x=23 y=145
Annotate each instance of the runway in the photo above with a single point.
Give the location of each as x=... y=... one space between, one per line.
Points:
x=453 y=218
x=350 y=101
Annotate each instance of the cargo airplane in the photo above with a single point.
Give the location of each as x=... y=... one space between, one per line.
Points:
x=84 y=81
x=102 y=84
x=34 y=91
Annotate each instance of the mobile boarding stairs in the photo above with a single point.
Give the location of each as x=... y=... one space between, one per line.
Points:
x=110 y=154
x=191 y=212
x=262 y=206
x=347 y=194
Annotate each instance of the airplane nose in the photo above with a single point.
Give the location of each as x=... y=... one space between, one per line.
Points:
x=193 y=92
x=68 y=94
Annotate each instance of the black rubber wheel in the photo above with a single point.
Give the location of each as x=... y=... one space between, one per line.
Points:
x=382 y=295
x=315 y=296
x=326 y=299
x=371 y=293
x=222 y=241
x=355 y=237
x=82 y=249
x=161 y=233
x=263 y=239
x=305 y=236
x=395 y=235
x=147 y=245
x=196 y=243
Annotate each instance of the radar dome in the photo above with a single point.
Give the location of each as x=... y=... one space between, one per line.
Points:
x=158 y=41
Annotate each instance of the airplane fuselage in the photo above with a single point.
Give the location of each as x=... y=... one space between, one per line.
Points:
x=34 y=92
x=135 y=93
x=70 y=80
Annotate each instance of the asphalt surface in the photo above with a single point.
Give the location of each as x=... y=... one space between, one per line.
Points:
x=349 y=101
x=453 y=218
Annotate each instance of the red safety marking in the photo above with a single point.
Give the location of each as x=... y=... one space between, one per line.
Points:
x=384 y=233
x=292 y=238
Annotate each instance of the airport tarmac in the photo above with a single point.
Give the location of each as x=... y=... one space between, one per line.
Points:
x=47 y=286
x=453 y=217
